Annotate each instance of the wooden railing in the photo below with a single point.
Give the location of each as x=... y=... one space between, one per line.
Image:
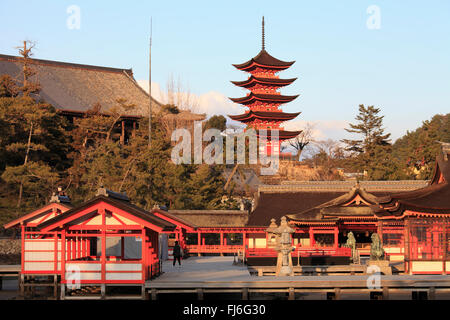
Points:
x=301 y=251
x=194 y=248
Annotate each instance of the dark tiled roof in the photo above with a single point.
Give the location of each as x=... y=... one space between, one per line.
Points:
x=78 y=87
x=275 y=201
x=271 y=115
x=268 y=81
x=339 y=206
x=265 y=59
x=274 y=98
x=434 y=198
x=213 y=218
x=282 y=134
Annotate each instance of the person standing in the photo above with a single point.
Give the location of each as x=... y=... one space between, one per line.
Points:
x=176 y=253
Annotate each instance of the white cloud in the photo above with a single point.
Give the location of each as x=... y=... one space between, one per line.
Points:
x=215 y=103
x=211 y=103
x=321 y=129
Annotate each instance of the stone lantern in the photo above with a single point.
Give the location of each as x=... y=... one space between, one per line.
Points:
x=273 y=238
x=284 y=248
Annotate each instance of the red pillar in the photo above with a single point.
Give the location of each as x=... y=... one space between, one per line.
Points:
x=336 y=237
x=103 y=257
x=63 y=255
x=311 y=237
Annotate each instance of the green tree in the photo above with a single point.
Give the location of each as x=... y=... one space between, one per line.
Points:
x=372 y=153
x=417 y=149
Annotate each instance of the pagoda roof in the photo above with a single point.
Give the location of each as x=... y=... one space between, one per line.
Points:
x=264 y=59
x=252 y=97
x=434 y=198
x=268 y=81
x=282 y=134
x=270 y=115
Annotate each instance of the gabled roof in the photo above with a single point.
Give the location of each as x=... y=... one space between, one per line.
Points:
x=265 y=81
x=174 y=219
x=270 y=98
x=131 y=209
x=39 y=213
x=356 y=202
x=213 y=218
x=264 y=59
x=265 y=115
x=71 y=87
x=434 y=198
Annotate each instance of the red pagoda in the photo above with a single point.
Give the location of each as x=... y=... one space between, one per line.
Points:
x=264 y=100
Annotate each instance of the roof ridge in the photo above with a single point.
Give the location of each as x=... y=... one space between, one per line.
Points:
x=68 y=64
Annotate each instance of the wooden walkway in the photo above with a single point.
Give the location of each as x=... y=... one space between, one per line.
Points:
x=201 y=275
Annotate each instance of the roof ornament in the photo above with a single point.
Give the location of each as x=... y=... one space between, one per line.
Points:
x=263 y=35
x=445 y=149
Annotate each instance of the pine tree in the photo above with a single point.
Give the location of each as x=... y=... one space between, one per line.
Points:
x=372 y=153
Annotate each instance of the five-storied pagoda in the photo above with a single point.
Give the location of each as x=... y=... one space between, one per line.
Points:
x=264 y=100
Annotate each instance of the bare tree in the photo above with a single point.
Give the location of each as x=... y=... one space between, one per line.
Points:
x=303 y=139
x=179 y=95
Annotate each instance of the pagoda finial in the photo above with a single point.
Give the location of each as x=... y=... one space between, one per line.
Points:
x=263 y=44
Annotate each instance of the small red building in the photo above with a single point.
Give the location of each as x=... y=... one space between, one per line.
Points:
x=104 y=241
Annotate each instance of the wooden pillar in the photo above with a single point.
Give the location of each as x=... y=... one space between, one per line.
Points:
x=103 y=256
x=122 y=135
x=221 y=243
x=22 y=256
x=144 y=254
x=55 y=256
x=291 y=294
x=444 y=254
x=244 y=293
x=63 y=257
x=133 y=133
x=336 y=237
x=200 y=294
x=385 y=293
x=337 y=292
x=311 y=237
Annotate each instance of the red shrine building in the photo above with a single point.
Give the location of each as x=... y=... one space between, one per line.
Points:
x=264 y=99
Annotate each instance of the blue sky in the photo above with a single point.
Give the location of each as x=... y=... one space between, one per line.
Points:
x=402 y=68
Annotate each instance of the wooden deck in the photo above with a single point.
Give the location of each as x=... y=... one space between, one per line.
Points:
x=202 y=275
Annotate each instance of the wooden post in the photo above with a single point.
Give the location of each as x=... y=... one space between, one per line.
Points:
x=63 y=291
x=153 y=294
x=385 y=293
x=337 y=292
x=432 y=293
x=200 y=294
x=244 y=293
x=103 y=291
x=103 y=257
x=221 y=243
x=291 y=294
x=21 y=285
x=122 y=135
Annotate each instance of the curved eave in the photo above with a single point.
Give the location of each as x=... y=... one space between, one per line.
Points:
x=265 y=81
x=264 y=60
x=282 y=134
x=264 y=98
x=264 y=115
